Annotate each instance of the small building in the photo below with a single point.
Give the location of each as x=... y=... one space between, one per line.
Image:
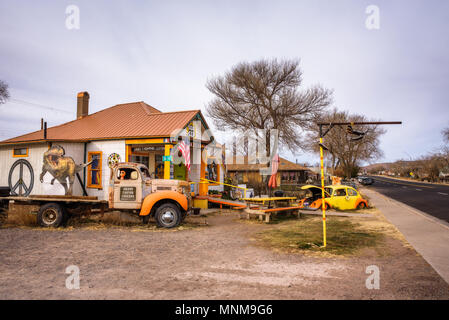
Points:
x=129 y=132
x=289 y=173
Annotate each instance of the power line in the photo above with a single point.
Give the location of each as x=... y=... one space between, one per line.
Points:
x=39 y=105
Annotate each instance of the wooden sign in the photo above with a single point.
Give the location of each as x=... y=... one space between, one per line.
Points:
x=128 y=194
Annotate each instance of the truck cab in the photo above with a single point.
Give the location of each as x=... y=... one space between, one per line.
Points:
x=131 y=188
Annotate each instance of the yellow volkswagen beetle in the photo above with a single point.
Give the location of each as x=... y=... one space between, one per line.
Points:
x=339 y=197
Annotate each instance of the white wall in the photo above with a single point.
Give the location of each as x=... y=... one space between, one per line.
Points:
x=74 y=150
x=35 y=158
x=106 y=147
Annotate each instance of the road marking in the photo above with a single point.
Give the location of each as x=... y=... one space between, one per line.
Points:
x=443 y=193
x=419 y=189
x=407 y=184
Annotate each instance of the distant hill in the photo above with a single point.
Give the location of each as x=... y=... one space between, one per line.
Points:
x=388 y=165
x=376 y=166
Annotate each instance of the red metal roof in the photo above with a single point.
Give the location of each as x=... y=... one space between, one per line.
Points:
x=129 y=120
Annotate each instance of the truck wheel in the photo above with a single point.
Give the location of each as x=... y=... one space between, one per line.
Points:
x=168 y=215
x=50 y=215
x=3 y=216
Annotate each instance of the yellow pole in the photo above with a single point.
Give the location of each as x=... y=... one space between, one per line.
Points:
x=167 y=163
x=323 y=203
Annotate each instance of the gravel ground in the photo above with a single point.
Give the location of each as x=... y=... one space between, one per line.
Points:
x=218 y=261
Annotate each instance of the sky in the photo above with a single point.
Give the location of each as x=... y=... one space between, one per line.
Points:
x=163 y=52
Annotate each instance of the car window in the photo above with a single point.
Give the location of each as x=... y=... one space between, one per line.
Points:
x=352 y=192
x=340 y=193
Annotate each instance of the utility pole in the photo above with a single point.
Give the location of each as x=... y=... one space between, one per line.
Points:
x=350 y=130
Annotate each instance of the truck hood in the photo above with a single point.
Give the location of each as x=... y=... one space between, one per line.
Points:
x=169 y=183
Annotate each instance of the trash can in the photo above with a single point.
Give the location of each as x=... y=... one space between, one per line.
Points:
x=279 y=193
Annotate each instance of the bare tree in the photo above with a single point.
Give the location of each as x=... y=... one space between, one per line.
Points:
x=264 y=95
x=4 y=93
x=446 y=135
x=343 y=152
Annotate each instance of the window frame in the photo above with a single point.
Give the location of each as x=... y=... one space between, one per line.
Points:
x=99 y=171
x=20 y=155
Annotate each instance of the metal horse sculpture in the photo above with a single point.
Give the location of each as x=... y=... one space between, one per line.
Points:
x=61 y=168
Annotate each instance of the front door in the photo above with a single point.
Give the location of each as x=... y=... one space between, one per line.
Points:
x=339 y=199
x=179 y=171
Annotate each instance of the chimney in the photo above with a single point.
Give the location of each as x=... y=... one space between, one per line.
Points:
x=82 y=105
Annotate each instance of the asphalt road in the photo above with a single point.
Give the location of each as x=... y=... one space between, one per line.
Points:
x=432 y=199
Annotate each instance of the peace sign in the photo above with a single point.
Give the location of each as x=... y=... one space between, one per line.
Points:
x=21 y=178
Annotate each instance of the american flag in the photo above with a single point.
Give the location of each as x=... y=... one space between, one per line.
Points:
x=184 y=147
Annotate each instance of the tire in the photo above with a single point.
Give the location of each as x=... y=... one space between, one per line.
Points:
x=183 y=216
x=3 y=216
x=361 y=205
x=168 y=215
x=146 y=219
x=50 y=215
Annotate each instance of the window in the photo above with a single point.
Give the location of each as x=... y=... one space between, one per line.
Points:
x=127 y=174
x=145 y=172
x=94 y=170
x=352 y=192
x=340 y=193
x=20 y=152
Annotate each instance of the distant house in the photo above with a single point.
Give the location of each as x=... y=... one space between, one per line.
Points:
x=134 y=132
x=289 y=173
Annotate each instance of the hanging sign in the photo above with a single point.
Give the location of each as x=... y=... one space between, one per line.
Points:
x=113 y=159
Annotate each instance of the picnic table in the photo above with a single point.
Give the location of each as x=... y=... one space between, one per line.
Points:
x=270 y=202
x=264 y=207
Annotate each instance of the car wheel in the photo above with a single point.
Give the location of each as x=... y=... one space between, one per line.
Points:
x=50 y=215
x=361 y=205
x=168 y=215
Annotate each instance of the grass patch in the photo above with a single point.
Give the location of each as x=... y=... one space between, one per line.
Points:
x=343 y=236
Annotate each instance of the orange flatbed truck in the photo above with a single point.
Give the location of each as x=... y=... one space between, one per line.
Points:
x=131 y=189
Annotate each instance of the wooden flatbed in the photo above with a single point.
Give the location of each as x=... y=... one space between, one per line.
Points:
x=52 y=210
x=54 y=198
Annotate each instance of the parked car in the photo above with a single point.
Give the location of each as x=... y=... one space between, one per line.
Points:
x=339 y=197
x=366 y=181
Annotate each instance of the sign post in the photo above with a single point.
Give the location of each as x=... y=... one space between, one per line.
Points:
x=350 y=130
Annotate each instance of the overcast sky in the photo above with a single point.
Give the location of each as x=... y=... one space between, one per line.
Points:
x=163 y=53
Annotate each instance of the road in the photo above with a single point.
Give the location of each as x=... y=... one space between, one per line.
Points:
x=432 y=199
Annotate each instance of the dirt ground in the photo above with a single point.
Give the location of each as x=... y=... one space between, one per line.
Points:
x=219 y=261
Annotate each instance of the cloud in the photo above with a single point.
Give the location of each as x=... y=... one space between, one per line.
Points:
x=163 y=53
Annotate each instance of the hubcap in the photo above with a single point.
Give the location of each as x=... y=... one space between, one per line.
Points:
x=168 y=217
x=49 y=216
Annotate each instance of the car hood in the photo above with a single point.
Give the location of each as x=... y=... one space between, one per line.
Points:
x=316 y=191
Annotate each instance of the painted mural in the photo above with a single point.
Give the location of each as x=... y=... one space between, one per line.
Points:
x=62 y=168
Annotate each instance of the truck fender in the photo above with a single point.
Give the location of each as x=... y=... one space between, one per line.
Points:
x=155 y=197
